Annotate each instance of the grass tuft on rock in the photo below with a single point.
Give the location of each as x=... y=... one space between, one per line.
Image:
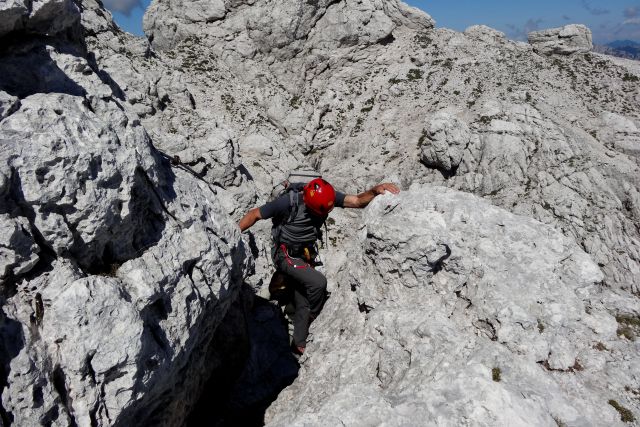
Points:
x=625 y=414
x=600 y=347
x=559 y=422
x=628 y=326
x=414 y=74
x=496 y=374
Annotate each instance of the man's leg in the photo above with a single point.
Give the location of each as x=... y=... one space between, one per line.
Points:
x=309 y=294
x=301 y=318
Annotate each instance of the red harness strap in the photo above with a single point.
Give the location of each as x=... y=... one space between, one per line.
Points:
x=289 y=260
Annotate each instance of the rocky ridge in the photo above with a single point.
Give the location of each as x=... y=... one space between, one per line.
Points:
x=242 y=92
x=111 y=259
x=621 y=48
x=563 y=41
x=498 y=334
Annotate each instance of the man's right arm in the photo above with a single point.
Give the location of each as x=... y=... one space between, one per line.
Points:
x=249 y=219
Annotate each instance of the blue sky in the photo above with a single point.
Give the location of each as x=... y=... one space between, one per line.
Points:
x=608 y=20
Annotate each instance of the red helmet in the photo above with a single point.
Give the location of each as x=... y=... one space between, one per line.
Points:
x=319 y=196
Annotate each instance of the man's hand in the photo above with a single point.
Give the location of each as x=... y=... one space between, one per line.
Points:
x=249 y=219
x=363 y=199
x=387 y=186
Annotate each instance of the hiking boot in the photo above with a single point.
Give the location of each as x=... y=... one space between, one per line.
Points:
x=297 y=349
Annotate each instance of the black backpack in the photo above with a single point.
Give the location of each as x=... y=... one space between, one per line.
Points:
x=293 y=186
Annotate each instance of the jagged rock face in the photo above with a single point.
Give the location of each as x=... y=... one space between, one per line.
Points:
x=516 y=141
x=514 y=137
x=116 y=268
x=474 y=112
x=550 y=137
x=280 y=29
x=92 y=202
x=564 y=41
x=502 y=332
x=39 y=16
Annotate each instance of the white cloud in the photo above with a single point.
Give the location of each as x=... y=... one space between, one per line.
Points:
x=521 y=33
x=632 y=21
x=593 y=10
x=122 y=6
x=632 y=12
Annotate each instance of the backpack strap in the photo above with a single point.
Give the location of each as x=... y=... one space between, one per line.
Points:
x=276 y=230
x=294 y=202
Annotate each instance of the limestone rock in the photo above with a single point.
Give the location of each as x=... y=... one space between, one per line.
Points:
x=18 y=250
x=480 y=335
x=621 y=133
x=443 y=142
x=12 y=15
x=52 y=16
x=273 y=27
x=204 y=11
x=485 y=33
x=82 y=185
x=117 y=268
x=38 y=16
x=8 y=104
x=563 y=41
x=147 y=244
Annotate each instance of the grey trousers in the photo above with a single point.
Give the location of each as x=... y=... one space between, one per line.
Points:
x=309 y=293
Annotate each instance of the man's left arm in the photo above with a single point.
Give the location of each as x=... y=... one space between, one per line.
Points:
x=363 y=199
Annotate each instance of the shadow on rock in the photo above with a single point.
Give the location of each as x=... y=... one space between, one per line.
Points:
x=254 y=382
x=11 y=342
x=30 y=69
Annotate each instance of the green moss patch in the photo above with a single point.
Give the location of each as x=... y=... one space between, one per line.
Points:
x=625 y=414
x=496 y=374
x=628 y=326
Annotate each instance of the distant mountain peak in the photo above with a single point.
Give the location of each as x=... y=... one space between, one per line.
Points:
x=623 y=48
x=617 y=44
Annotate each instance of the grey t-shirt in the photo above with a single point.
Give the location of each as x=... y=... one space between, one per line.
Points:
x=305 y=227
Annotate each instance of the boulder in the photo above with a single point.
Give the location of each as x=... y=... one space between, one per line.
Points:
x=272 y=28
x=8 y=104
x=116 y=270
x=565 y=40
x=443 y=142
x=13 y=13
x=485 y=33
x=50 y=17
x=47 y=17
x=18 y=250
x=444 y=313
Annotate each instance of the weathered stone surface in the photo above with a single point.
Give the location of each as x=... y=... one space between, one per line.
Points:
x=484 y=33
x=154 y=263
x=8 y=104
x=204 y=11
x=282 y=28
x=81 y=184
x=444 y=141
x=38 y=16
x=564 y=40
x=18 y=250
x=52 y=16
x=12 y=15
x=480 y=337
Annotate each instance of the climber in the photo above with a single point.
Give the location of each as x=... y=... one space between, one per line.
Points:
x=295 y=235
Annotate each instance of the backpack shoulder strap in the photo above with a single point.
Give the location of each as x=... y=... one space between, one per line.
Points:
x=294 y=202
x=279 y=222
